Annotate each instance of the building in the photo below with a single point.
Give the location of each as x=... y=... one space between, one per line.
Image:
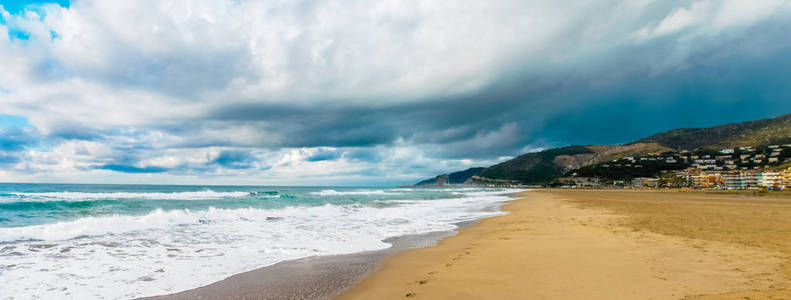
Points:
x=578 y=182
x=771 y=180
x=688 y=175
x=787 y=177
x=740 y=180
x=707 y=180
x=644 y=182
x=699 y=179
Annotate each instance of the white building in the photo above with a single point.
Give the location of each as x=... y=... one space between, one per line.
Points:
x=771 y=180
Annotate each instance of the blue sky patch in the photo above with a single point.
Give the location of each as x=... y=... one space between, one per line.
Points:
x=16 y=7
x=17 y=121
x=17 y=34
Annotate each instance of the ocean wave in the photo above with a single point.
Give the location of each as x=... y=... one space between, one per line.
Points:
x=84 y=196
x=357 y=192
x=197 y=247
x=121 y=224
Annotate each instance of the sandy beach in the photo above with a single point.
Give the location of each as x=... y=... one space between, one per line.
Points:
x=583 y=244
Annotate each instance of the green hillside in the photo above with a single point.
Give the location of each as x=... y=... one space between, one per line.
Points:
x=534 y=168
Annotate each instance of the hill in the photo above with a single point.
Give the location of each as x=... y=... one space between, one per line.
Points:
x=545 y=166
x=744 y=134
x=452 y=178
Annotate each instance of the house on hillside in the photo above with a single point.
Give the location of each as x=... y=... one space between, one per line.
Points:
x=727 y=151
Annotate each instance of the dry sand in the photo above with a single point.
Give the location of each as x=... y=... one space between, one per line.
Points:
x=558 y=244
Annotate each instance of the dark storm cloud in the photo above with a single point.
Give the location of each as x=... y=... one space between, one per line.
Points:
x=616 y=99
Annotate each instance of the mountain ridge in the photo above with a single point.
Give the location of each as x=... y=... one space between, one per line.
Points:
x=542 y=167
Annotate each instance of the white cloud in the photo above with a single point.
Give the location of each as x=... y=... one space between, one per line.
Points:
x=742 y=13
x=682 y=18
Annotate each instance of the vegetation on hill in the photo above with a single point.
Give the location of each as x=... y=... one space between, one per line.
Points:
x=452 y=178
x=752 y=133
x=535 y=168
x=543 y=167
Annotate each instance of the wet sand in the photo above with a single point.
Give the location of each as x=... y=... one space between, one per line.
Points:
x=560 y=244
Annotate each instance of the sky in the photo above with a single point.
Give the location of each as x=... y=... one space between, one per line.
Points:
x=365 y=92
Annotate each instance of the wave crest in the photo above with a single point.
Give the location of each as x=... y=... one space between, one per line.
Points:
x=83 y=196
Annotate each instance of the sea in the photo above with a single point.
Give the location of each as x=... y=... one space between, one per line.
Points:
x=84 y=241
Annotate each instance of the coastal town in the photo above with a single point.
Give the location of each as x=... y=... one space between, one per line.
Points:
x=742 y=168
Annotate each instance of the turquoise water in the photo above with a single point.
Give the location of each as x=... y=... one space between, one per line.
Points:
x=33 y=204
x=125 y=241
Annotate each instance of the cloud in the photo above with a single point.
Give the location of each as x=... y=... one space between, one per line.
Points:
x=132 y=169
x=324 y=154
x=8 y=158
x=235 y=159
x=682 y=18
x=371 y=92
x=15 y=139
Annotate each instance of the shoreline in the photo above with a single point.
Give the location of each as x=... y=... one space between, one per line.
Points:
x=586 y=245
x=316 y=277
x=313 y=277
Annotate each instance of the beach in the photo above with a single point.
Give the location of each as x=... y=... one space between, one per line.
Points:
x=603 y=244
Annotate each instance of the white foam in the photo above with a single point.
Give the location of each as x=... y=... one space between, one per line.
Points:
x=356 y=192
x=82 y=196
x=122 y=257
x=97 y=226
